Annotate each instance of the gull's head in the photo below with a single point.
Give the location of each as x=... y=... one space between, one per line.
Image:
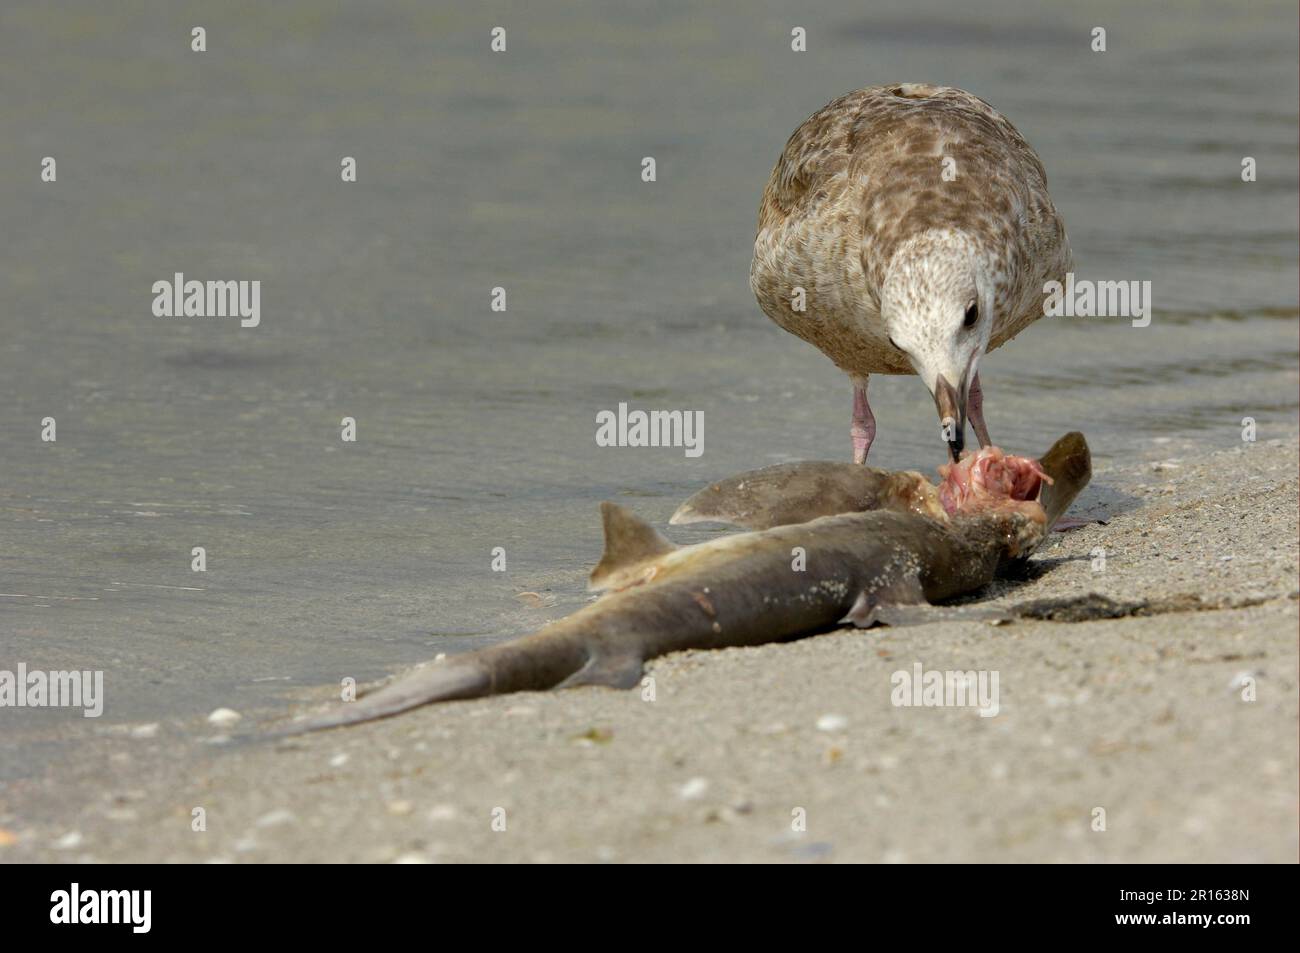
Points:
x=937 y=305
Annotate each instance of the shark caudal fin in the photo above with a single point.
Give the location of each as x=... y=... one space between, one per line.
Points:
x=630 y=543
x=789 y=493
x=447 y=680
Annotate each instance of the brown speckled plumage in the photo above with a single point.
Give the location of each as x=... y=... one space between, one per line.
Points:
x=858 y=214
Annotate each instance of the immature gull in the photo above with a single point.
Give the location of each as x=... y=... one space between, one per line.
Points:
x=917 y=223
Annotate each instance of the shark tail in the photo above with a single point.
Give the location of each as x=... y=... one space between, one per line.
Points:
x=450 y=679
x=565 y=654
x=548 y=659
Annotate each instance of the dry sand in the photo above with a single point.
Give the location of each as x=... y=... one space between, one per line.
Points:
x=1142 y=716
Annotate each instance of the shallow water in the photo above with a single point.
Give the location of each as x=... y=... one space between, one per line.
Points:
x=522 y=170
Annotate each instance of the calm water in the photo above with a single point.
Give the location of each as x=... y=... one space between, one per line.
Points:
x=522 y=170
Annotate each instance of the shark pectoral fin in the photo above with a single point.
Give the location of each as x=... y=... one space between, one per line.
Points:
x=881 y=603
x=611 y=671
x=629 y=541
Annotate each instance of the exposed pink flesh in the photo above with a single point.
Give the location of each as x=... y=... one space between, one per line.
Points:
x=988 y=478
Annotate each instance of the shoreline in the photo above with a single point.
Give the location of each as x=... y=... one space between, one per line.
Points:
x=1140 y=715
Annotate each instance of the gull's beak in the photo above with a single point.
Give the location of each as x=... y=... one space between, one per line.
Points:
x=951 y=404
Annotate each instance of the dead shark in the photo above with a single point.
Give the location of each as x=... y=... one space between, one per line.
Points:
x=805 y=573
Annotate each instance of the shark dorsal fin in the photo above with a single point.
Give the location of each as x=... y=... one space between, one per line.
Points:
x=629 y=542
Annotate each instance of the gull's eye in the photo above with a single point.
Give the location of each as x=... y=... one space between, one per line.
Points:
x=972 y=315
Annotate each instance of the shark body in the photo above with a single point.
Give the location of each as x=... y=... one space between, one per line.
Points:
x=804 y=572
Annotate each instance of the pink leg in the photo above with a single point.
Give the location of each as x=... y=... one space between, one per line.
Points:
x=975 y=411
x=864 y=424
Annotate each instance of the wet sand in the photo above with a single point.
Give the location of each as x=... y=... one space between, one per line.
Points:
x=1141 y=716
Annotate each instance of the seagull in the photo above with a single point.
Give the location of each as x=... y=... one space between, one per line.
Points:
x=907 y=229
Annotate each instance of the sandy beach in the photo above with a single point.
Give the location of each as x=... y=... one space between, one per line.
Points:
x=1142 y=715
